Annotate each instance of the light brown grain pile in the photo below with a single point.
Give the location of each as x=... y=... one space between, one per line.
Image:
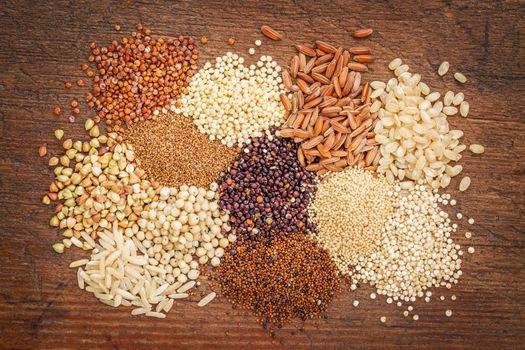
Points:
x=173 y=152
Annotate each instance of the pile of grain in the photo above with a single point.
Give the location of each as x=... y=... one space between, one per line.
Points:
x=173 y=152
x=291 y=277
x=267 y=191
x=350 y=209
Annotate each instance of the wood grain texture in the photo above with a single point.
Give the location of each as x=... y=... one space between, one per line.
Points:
x=42 y=44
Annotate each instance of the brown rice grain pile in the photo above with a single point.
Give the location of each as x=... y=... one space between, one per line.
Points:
x=173 y=152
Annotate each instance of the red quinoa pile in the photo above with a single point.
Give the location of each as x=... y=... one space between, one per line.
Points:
x=139 y=76
x=289 y=278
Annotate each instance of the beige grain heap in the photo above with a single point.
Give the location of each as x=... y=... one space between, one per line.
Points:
x=350 y=209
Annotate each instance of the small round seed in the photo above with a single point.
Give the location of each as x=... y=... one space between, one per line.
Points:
x=59 y=133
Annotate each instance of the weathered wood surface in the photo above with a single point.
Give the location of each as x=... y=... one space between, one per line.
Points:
x=43 y=44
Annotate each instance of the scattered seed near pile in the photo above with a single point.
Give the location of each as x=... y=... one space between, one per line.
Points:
x=349 y=210
x=464 y=184
x=415 y=250
x=289 y=278
x=413 y=131
x=443 y=68
x=139 y=76
x=173 y=152
x=270 y=33
x=460 y=77
x=233 y=103
x=267 y=191
x=476 y=148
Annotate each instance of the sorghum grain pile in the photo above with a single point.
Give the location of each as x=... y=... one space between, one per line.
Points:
x=350 y=209
x=173 y=152
x=139 y=76
x=289 y=278
x=267 y=191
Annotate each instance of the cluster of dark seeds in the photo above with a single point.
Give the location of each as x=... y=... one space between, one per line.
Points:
x=266 y=191
x=291 y=277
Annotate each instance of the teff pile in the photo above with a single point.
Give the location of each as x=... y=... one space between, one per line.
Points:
x=172 y=151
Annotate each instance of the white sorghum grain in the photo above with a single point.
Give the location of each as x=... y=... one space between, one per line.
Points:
x=258 y=43
x=471 y=221
x=468 y=234
x=383 y=319
x=372 y=295
x=413 y=131
x=356 y=303
x=464 y=184
x=476 y=148
x=460 y=77
x=415 y=250
x=415 y=317
x=443 y=68
x=464 y=108
x=453 y=297
x=471 y=250
x=233 y=103
x=349 y=209
x=251 y=51
x=448 y=313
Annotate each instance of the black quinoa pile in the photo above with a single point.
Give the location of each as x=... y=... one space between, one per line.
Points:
x=267 y=192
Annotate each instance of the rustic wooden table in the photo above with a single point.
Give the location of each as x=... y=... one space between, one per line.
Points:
x=43 y=44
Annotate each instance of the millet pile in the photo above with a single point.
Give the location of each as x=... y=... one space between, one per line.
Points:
x=173 y=151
